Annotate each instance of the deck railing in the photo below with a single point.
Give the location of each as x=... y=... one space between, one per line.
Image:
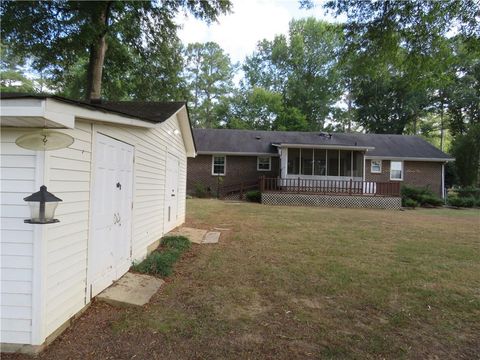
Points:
x=330 y=187
x=240 y=189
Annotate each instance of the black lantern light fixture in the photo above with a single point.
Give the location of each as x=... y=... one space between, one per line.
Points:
x=42 y=207
x=42 y=203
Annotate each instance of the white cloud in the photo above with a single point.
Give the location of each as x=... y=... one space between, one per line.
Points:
x=251 y=21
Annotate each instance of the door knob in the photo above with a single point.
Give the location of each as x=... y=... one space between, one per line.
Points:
x=119 y=186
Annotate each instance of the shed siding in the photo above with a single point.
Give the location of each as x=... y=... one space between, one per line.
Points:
x=68 y=175
x=18 y=179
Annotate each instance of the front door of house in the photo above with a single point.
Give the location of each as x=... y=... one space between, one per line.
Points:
x=111 y=222
x=171 y=193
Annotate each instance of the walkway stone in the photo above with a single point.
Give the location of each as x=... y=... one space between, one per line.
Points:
x=131 y=290
x=194 y=235
x=211 y=237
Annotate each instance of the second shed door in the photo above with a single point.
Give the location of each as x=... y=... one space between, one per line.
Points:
x=171 y=193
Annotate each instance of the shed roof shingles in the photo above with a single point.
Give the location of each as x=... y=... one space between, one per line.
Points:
x=256 y=142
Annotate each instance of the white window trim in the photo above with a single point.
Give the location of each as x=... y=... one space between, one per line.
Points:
x=224 y=165
x=375 y=172
x=402 y=170
x=269 y=163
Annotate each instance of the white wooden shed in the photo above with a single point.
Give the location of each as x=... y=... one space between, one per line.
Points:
x=122 y=183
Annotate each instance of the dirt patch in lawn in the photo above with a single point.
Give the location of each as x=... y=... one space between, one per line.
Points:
x=296 y=283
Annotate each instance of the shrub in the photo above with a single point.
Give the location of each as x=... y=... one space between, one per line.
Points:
x=423 y=196
x=469 y=191
x=432 y=200
x=254 y=196
x=409 y=203
x=160 y=262
x=462 y=201
x=200 y=190
x=469 y=201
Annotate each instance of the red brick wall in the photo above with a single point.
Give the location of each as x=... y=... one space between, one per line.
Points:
x=239 y=169
x=416 y=173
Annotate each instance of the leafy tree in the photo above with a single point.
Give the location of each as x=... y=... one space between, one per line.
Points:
x=60 y=32
x=12 y=74
x=129 y=75
x=209 y=75
x=466 y=150
x=259 y=109
x=302 y=67
x=398 y=49
x=462 y=96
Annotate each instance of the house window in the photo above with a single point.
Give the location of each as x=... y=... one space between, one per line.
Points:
x=218 y=164
x=396 y=170
x=264 y=163
x=376 y=166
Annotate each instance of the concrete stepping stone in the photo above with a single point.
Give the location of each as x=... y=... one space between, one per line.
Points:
x=211 y=237
x=131 y=290
x=194 y=235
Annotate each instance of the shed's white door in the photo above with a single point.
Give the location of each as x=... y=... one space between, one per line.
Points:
x=171 y=193
x=109 y=253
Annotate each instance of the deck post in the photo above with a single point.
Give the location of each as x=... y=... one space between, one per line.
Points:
x=241 y=191
x=350 y=190
x=298 y=185
x=262 y=183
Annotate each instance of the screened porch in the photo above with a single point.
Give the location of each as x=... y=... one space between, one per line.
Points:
x=322 y=164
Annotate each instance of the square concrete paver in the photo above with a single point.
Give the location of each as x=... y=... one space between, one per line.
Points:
x=131 y=289
x=194 y=235
x=211 y=237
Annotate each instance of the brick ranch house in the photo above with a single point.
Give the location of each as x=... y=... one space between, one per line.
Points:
x=313 y=162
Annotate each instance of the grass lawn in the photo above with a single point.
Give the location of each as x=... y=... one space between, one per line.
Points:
x=293 y=282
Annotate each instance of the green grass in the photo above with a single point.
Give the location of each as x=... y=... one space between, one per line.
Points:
x=299 y=282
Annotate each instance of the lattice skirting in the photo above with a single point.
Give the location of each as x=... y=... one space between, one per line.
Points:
x=233 y=196
x=380 y=202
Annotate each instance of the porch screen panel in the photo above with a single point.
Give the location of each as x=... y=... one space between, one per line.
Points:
x=345 y=163
x=293 y=167
x=332 y=168
x=357 y=164
x=307 y=162
x=320 y=164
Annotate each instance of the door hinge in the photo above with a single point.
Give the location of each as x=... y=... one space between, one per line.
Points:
x=132 y=205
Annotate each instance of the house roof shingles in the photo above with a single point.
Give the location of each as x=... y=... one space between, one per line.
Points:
x=154 y=112
x=262 y=142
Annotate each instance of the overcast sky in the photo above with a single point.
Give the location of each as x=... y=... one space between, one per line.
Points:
x=252 y=20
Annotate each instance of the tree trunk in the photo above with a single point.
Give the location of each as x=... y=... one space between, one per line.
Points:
x=97 y=54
